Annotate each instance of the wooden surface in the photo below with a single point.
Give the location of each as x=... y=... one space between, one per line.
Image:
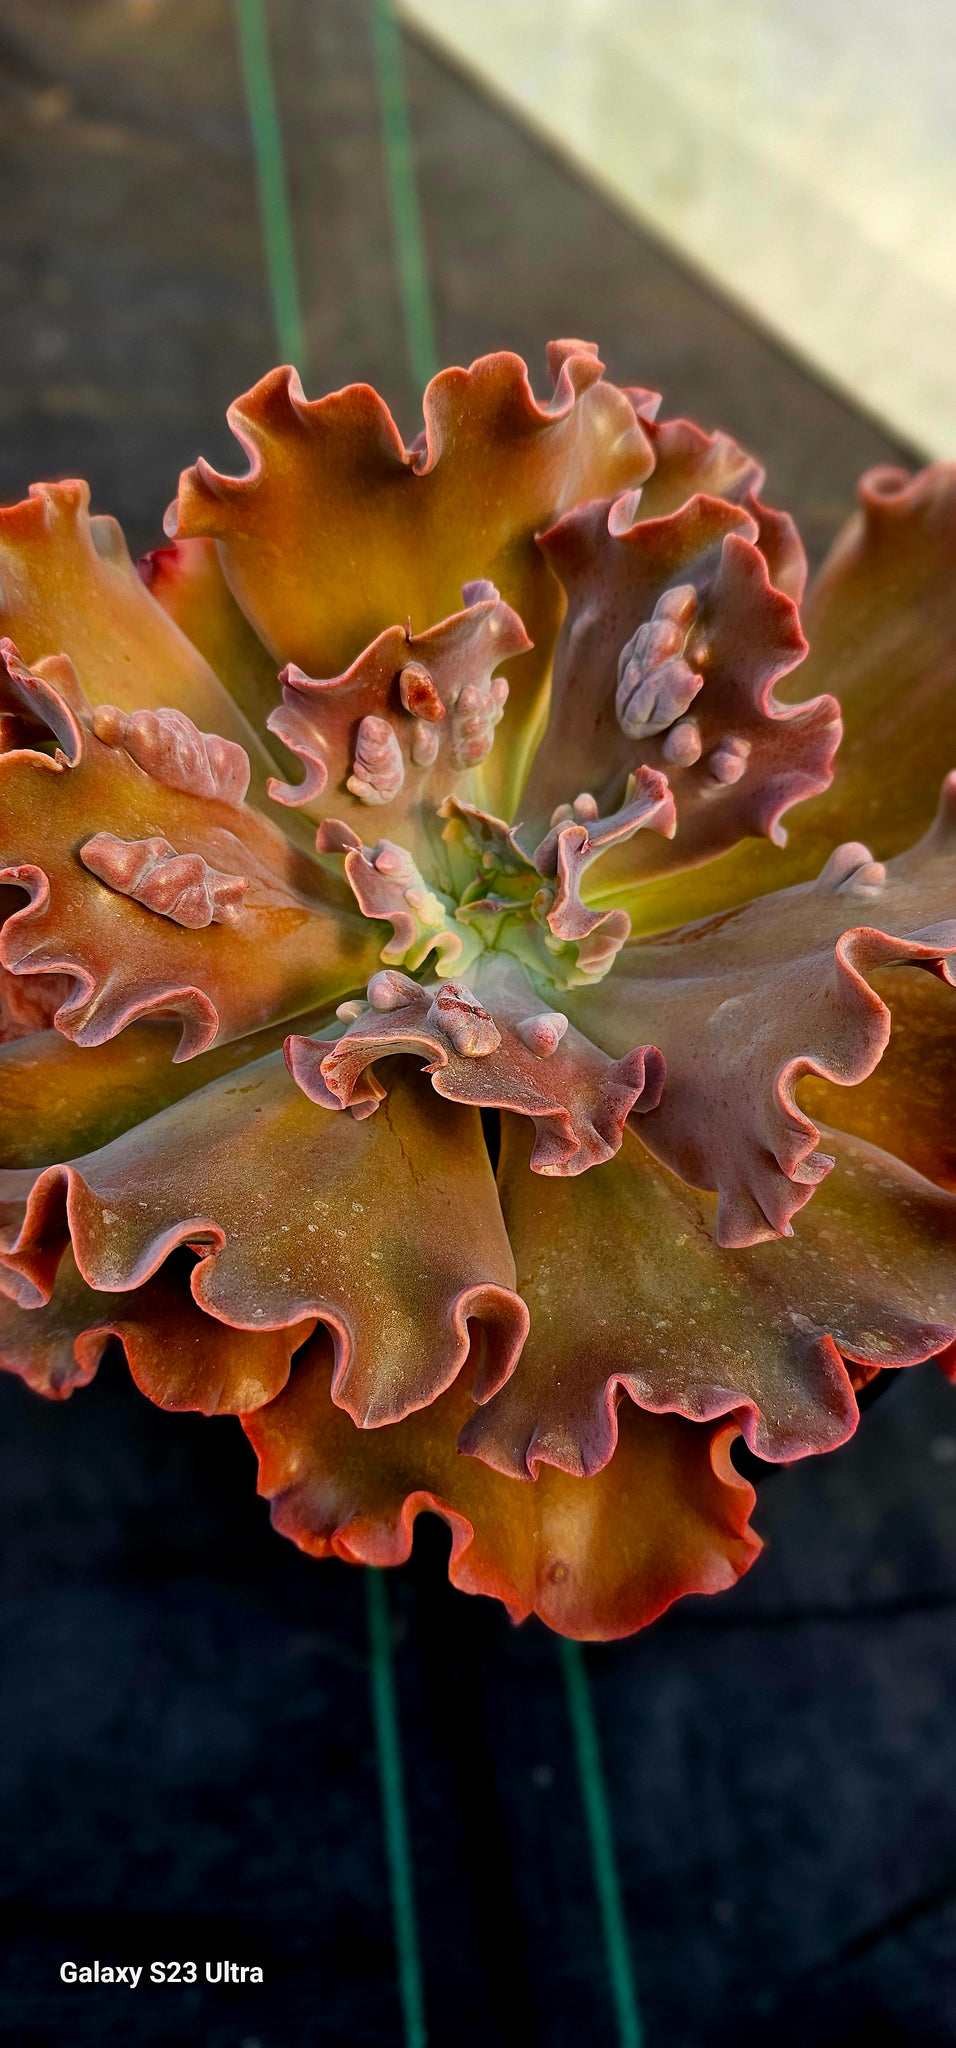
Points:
x=186 y=1747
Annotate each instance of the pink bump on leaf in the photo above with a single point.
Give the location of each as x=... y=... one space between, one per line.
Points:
x=392 y=991
x=425 y=745
x=655 y=683
x=434 y=692
x=682 y=745
x=728 y=762
x=852 y=871
x=170 y=748
x=379 y=770
x=745 y=636
x=474 y=715
x=543 y=1034
x=181 y=886
x=418 y=693
x=577 y=1097
x=467 y=1025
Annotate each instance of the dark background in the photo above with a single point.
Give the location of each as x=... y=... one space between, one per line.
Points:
x=187 y=1761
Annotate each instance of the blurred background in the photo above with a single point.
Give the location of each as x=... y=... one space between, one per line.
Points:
x=748 y=205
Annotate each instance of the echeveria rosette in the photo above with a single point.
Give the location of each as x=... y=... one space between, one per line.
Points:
x=417 y=795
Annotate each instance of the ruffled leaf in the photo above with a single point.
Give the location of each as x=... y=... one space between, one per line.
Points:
x=881 y=622
x=579 y=837
x=29 y=1005
x=744 y=1005
x=908 y=1104
x=224 y=1235
x=155 y=888
x=387 y=885
x=412 y=715
x=688 y=461
x=629 y=1293
x=595 y=1558
x=337 y=530
x=544 y=923
x=674 y=640
x=67 y=585
x=389 y=1232
x=500 y=1058
x=179 y=1358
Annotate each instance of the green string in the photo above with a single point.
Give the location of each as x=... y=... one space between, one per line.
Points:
x=388 y=1739
x=607 y=1883
x=403 y=195
x=270 y=177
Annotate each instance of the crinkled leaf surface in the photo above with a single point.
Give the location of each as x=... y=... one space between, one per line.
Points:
x=880 y=619
x=179 y=1357
x=338 y=532
x=736 y=757
x=424 y=749
x=595 y=1558
x=743 y=1005
x=627 y=1289
x=292 y=943
x=298 y=1213
x=67 y=586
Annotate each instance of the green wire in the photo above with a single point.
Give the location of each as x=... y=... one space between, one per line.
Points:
x=403 y=195
x=270 y=177
x=388 y=1739
x=607 y=1883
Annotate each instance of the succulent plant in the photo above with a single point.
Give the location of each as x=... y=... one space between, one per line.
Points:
x=402 y=1043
